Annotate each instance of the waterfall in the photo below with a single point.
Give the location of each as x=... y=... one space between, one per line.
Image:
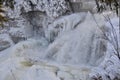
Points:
x=75 y=49
x=45 y=41
x=77 y=45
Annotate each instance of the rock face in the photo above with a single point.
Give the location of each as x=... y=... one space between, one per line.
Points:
x=37 y=20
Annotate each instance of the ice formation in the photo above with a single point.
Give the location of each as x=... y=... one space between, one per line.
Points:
x=67 y=47
x=71 y=55
x=78 y=42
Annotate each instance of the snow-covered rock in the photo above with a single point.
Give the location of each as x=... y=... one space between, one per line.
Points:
x=37 y=20
x=29 y=17
x=22 y=69
x=17 y=34
x=5 y=41
x=53 y=8
x=30 y=48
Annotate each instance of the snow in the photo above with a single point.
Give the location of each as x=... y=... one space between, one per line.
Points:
x=76 y=45
x=5 y=41
x=53 y=8
x=63 y=25
x=109 y=68
x=73 y=48
x=64 y=58
x=17 y=32
x=36 y=73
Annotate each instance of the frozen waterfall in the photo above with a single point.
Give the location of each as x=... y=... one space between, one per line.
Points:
x=80 y=44
x=72 y=45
